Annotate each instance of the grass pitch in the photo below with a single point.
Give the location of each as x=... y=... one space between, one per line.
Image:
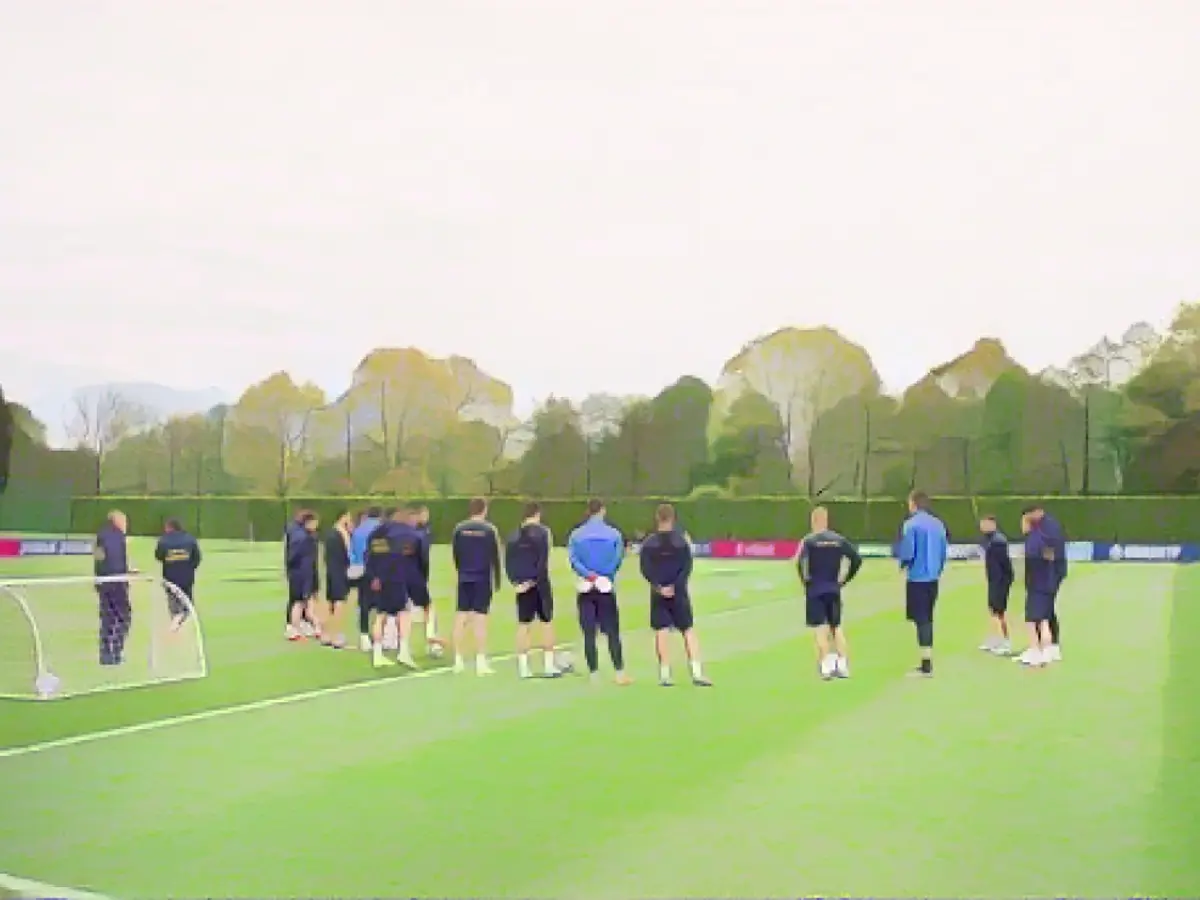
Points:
x=987 y=781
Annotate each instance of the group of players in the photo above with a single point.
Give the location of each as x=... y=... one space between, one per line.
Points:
x=383 y=557
x=922 y=552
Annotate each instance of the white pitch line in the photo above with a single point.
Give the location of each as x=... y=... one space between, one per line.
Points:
x=37 y=889
x=287 y=699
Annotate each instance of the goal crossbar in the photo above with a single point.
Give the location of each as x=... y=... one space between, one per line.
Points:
x=14 y=589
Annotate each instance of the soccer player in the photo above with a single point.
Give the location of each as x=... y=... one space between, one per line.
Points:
x=418 y=591
x=358 y=559
x=476 y=548
x=666 y=562
x=393 y=561
x=922 y=554
x=819 y=562
x=179 y=554
x=1044 y=549
x=300 y=561
x=1051 y=526
x=527 y=564
x=998 y=567
x=112 y=561
x=596 y=551
x=337 y=581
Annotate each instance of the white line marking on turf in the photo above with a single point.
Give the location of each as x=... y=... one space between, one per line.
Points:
x=287 y=699
x=36 y=889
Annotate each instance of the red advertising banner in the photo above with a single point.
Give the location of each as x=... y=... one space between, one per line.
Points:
x=9 y=548
x=754 y=549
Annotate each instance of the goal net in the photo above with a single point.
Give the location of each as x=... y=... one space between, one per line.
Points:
x=62 y=637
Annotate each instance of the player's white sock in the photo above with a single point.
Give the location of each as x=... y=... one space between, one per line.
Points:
x=460 y=664
x=842 y=666
x=431 y=624
x=664 y=673
x=697 y=669
x=827 y=664
x=1053 y=653
x=290 y=632
x=523 y=666
x=379 y=658
x=364 y=643
x=482 y=667
x=549 y=663
x=405 y=654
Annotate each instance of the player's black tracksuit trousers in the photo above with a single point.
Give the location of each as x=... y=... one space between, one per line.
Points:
x=116 y=617
x=599 y=613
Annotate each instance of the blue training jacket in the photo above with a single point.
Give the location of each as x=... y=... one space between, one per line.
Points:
x=923 y=547
x=358 y=541
x=596 y=548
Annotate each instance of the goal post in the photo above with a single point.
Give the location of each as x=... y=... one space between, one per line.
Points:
x=64 y=637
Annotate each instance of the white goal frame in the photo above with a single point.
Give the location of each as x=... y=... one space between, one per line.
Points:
x=11 y=589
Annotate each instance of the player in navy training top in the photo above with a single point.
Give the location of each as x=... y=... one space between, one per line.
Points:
x=475 y=545
x=179 y=554
x=419 y=594
x=1045 y=565
x=301 y=551
x=819 y=561
x=112 y=562
x=998 y=567
x=393 y=562
x=527 y=564
x=666 y=562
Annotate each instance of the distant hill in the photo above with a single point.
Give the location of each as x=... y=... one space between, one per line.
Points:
x=54 y=409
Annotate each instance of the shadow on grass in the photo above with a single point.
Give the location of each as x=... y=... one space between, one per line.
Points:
x=1174 y=869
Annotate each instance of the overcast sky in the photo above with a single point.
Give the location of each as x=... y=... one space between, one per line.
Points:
x=595 y=195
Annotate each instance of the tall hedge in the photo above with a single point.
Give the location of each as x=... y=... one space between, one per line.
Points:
x=1165 y=520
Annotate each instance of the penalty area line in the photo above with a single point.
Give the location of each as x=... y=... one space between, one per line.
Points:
x=287 y=699
x=24 y=887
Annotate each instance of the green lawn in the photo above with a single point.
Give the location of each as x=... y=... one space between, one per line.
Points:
x=987 y=781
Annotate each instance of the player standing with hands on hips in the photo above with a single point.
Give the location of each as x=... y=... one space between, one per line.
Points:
x=922 y=554
x=820 y=564
x=596 y=551
x=112 y=562
x=666 y=562
x=179 y=554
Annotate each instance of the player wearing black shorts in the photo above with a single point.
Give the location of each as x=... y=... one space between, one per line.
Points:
x=179 y=554
x=418 y=588
x=666 y=562
x=998 y=567
x=527 y=564
x=337 y=581
x=301 y=552
x=1045 y=562
x=393 y=553
x=819 y=562
x=475 y=545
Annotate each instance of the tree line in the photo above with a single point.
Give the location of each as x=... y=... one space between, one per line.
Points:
x=796 y=412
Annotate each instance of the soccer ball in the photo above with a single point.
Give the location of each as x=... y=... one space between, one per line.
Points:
x=564 y=661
